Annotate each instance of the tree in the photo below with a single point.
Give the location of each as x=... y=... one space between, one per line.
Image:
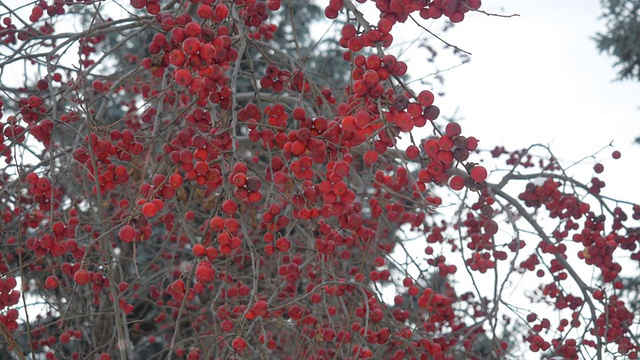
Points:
x=181 y=183
x=622 y=37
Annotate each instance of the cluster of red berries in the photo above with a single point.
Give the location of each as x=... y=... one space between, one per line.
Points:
x=444 y=151
x=43 y=192
x=200 y=54
x=9 y=297
x=354 y=41
x=8 y=32
x=254 y=13
x=611 y=325
x=14 y=132
x=226 y=230
x=246 y=187
x=371 y=71
x=61 y=240
x=453 y=9
x=276 y=79
x=152 y=6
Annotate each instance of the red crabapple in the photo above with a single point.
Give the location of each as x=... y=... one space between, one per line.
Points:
x=478 y=173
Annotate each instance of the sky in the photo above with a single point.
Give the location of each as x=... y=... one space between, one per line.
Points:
x=538 y=78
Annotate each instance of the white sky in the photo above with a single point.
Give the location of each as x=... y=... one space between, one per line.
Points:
x=538 y=78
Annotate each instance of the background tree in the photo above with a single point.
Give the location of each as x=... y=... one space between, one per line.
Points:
x=622 y=37
x=183 y=180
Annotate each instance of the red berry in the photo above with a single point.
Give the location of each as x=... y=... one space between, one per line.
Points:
x=191 y=45
x=229 y=207
x=490 y=227
x=412 y=152
x=183 y=77
x=82 y=277
x=198 y=250
x=138 y=4
x=238 y=344
x=431 y=113
x=348 y=31
x=478 y=173
x=283 y=244
x=616 y=154
x=177 y=57
x=204 y=273
x=127 y=233
x=370 y=157
x=453 y=129
x=425 y=98
x=204 y=11
x=51 y=282
x=598 y=295
x=355 y=44
x=239 y=179
x=298 y=148
x=34 y=101
x=216 y=223
x=192 y=29
x=598 y=168
x=456 y=182
x=149 y=209
x=175 y=180
x=221 y=12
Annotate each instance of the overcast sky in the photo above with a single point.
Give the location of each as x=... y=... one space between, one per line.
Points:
x=538 y=78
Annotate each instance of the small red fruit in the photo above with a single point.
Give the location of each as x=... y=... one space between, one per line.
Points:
x=34 y=101
x=216 y=224
x=598 y=168
x=51 y=283
x=426 y=98
x=229 y=207
x=239 y=179
x=149 y=209
x=283 y=244
x=456 y=182
x=478 y=174
x=412 y=152
x=199 y=250
x=239 y=344
x=370 y=157
x=453 y=129
x=221 y=11
x=177 y=57
x=127 y=233
x=204 y=11
x=138 y=4
x=490 y=227
x=183 y=77
x=82 y=277
x=598 y=295
x=191 y=45
x=204 y=273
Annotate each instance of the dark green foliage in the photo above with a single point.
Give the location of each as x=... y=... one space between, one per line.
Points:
x=622 y=39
